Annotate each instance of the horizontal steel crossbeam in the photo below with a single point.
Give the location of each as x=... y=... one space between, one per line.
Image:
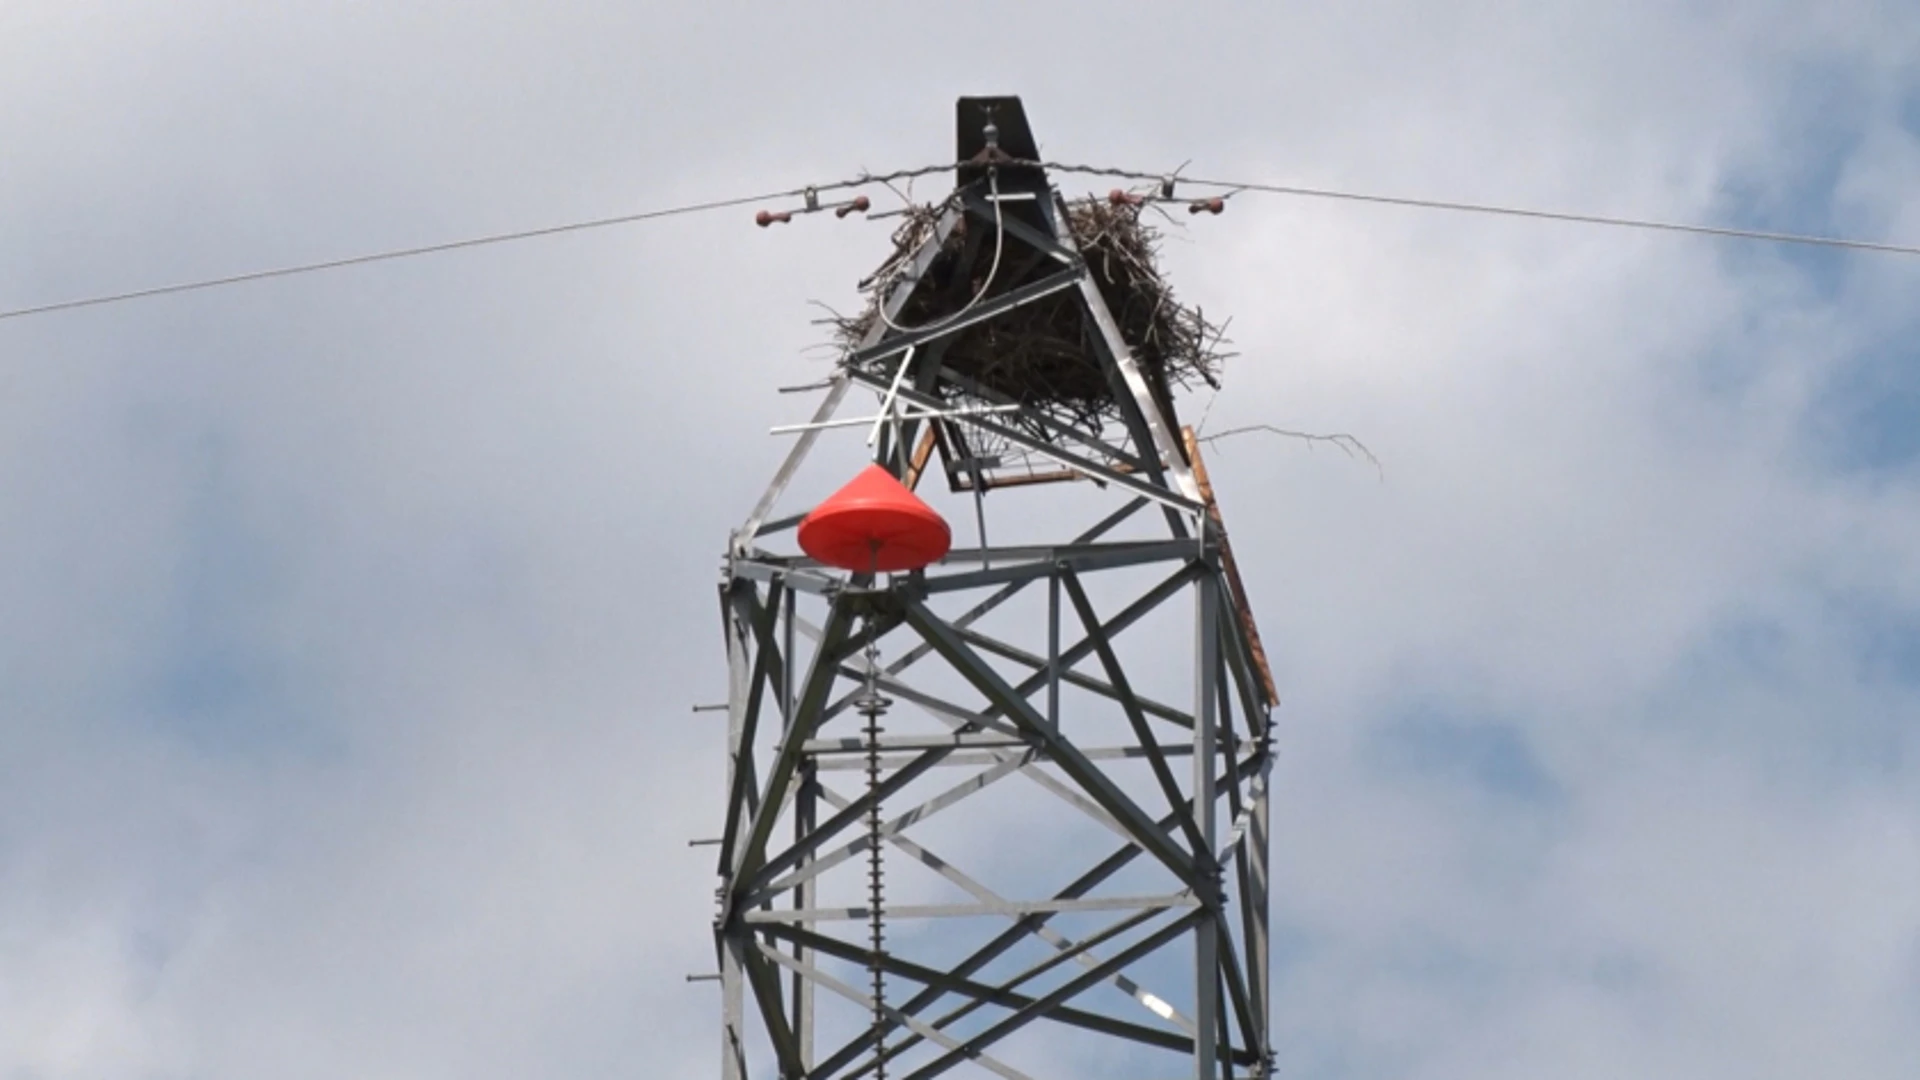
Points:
x=965 y=911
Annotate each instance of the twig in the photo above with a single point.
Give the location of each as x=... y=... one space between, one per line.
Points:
x=1206 y=412
x=1347 y=443
x=1037 y=354
x=833 y=315
x=905 y=197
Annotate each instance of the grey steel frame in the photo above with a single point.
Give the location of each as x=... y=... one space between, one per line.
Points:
x=770 y=927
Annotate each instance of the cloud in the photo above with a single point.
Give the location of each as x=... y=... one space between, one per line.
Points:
x=354 y=619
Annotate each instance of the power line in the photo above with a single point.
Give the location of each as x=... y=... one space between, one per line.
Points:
x=1582 y=219
x=411 y=252
x=809 y=192
x=1509 y=211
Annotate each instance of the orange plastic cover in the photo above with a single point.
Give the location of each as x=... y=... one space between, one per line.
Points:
x=875 y=525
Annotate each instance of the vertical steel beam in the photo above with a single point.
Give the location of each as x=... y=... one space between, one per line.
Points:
x=806 y=814
x=1257 y=905
x=1053 y=650
x=765 y=981
x=733 y=1051
x=758 y=622
x=749 y=856
x=790 y=618
x=733 y=1010
x=1206 y=938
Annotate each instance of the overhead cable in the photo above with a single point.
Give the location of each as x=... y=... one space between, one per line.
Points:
x=433 y=249
x=1505 y=211
x=1231 y=187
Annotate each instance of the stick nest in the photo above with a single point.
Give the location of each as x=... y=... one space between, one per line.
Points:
x=1045 y=354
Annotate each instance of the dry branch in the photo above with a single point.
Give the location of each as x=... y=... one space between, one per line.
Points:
x=1041 y=354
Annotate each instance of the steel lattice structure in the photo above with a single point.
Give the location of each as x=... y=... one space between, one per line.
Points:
x=1176 y=900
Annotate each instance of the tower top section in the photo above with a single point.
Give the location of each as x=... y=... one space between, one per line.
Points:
x=1052 y=314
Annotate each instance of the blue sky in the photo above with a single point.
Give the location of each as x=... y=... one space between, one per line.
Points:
x=354 y=618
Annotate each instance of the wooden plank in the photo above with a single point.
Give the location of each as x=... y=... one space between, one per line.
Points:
x=1241 y=608
x=921 y=454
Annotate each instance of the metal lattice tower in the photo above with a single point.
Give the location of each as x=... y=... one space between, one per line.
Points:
x=1057 y=702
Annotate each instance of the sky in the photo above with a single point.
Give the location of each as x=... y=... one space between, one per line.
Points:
x=353 y=620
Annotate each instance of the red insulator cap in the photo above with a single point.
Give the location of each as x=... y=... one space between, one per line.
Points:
x=858 y=204
x=1123 y=198
x=767 y=217
x=875 y=525
x=1208 y=206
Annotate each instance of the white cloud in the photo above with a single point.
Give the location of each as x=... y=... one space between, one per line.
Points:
x=479 y=500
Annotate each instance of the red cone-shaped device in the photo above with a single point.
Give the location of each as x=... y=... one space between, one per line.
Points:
x=875 y=524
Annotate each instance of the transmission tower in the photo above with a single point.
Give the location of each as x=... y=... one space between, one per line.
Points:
x=1084 y=709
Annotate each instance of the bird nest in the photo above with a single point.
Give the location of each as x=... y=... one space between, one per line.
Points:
x=1045 y=354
